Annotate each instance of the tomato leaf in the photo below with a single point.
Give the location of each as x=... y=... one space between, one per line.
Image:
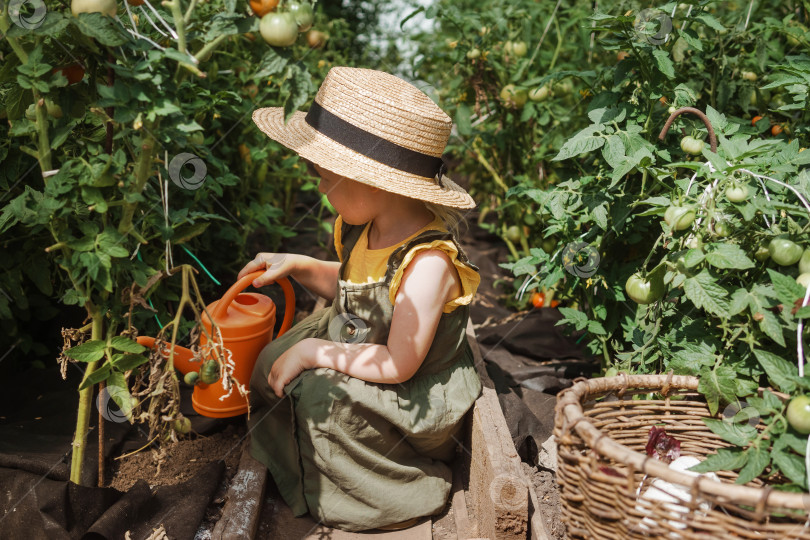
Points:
x=87 y=352
x=125 y=344
x=125 y=362
x=586 y=140
x=101 y=374
x=704 y=292
x=664 y=63
x=727 y=256
x=735 y=432
x=726 y=459
x=758 y=459
x=791 y=466
x=780 y=372
x=718 y=385
x=573 y=316
x=785 y=287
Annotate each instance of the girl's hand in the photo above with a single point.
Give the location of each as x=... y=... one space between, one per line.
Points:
x=288 y=366
x=277 y=266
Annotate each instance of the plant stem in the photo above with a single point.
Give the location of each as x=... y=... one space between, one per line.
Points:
x=85 y=402
x=143 y=167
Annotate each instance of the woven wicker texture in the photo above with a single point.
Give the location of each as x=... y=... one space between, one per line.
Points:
x=385 y=106
x=601 y=432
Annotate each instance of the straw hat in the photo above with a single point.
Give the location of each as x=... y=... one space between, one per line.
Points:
x=374 y=128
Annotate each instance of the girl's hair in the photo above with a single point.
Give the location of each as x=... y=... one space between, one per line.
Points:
x=452 y=218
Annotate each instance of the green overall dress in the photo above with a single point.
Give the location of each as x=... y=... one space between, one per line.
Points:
x=360 y=455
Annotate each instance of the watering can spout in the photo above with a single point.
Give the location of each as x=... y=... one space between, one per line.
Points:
x=182 y=356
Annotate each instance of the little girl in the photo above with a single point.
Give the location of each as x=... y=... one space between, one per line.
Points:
x=356 y=409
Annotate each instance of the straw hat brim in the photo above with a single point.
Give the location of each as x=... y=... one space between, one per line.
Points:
x=310 y=144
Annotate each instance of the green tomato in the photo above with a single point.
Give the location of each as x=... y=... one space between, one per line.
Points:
x=513 y=234
x=692 y=146
x=302 y=13
x=645 y=291
x=191 y=378
x=182 y=425
x=784 y=252
x=209 y=372
x=514 y=97
x=106 y=7
x=196 y=138
x=679 y=217
x=798 y=414
x=541 y=93
x=762 y=254
x=474 y=54
x=737 y=193
x=516 y=48
x=279 y=29
x=53 y=109
x=549 y=244
x=804 y=262
x=803 y=279
x=723 y=229
x=748 y=75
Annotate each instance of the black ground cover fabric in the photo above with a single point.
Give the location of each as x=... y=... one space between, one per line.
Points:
x=37 y=500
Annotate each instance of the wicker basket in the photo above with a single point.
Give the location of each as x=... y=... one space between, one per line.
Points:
x=603 y=467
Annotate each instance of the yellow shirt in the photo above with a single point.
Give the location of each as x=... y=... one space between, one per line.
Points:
x=369 y=265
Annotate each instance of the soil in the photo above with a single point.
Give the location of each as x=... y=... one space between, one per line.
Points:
x=545 y=486
x=183 y=460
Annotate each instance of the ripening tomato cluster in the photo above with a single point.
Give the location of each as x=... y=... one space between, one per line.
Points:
x=281 y=28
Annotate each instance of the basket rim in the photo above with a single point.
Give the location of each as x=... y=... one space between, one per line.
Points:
x=569 y=411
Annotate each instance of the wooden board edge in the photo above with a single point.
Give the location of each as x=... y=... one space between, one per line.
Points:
x=243 y=505
x=501 y=464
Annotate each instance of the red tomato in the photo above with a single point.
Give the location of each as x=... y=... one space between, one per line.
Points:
x=538 y=299
x=263 y=7
x=555 y=303
x=73 y=72
x=755 y=119
x=776 y=129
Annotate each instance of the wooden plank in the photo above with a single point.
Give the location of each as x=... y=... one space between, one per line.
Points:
x=498 y=488
x=240 y=515
x=538 y=528
x=459 y=503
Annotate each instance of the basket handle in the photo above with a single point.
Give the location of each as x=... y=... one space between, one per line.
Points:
x=699 y=113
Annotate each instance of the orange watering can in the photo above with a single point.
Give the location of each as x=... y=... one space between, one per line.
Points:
x=245 y=321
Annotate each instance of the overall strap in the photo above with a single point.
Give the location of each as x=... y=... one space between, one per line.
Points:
x=349 y=235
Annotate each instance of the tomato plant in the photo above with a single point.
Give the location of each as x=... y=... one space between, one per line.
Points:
x=93 y=215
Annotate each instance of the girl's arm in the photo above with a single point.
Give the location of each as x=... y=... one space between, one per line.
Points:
x=429 y=281
x=318 y=276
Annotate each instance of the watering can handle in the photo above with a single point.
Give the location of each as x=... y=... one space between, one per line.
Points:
x=244 y=283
